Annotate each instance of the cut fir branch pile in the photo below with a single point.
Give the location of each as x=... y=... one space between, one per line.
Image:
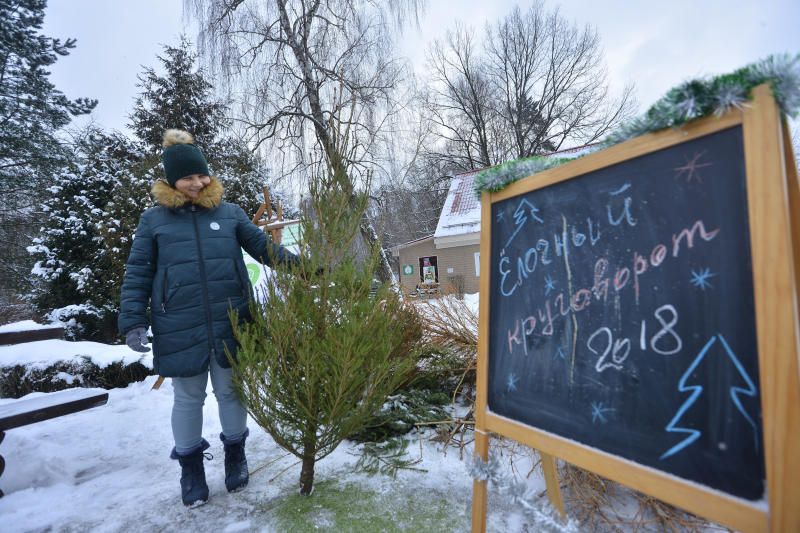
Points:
x=452 y=327
x=599 y=505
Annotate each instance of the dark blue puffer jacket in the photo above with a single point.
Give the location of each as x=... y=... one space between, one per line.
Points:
x=186 y=265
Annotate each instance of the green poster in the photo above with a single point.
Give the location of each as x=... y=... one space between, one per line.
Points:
x=254 y=271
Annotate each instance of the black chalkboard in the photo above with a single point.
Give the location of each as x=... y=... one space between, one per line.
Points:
x=622 y=315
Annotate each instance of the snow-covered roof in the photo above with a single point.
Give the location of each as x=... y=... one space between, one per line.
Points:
x=460 y=220
x=396 y=249
x=461 y=213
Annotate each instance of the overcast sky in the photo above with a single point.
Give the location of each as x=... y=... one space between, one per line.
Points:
x=654 y=45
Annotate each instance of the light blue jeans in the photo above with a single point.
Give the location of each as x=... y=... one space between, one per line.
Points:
x=187 y=408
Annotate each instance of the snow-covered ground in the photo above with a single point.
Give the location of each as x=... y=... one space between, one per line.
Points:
x=108 y=469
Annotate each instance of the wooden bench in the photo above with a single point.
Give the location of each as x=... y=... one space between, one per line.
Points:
x=29 y=411
x=31 y=335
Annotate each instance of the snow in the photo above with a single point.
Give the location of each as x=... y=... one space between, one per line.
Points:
x=24 y=325
x=41 y=354
x=108 y=469
x=471 y=301
x=461 y=213
x=37 y=401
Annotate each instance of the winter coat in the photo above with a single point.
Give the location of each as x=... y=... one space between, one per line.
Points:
x=186 y=263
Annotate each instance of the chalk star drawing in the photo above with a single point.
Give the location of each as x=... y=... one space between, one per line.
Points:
x=598 y=412
x=549 y=285
x=511 y=382
x=700 y=278
x=560 y=354
x=690 y=169
x=500 y=216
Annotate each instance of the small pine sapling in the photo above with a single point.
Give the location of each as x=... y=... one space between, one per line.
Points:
x=326 y=344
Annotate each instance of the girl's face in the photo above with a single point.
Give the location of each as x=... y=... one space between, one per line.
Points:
x=192 y=184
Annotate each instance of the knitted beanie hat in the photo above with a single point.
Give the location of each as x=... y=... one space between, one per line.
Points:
x=180 y=157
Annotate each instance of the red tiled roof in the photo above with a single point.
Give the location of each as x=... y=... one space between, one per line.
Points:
x=464 y=199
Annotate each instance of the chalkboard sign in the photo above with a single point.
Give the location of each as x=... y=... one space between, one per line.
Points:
x=639 y=319
x=622 y=313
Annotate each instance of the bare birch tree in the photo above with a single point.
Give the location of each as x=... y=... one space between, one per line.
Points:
x=317 y=76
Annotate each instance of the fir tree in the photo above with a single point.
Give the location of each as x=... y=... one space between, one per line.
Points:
x=180 y=98
x=183 y=98
x=75 y=268
x=32 y=111
x=242 y=173
x=325 y=348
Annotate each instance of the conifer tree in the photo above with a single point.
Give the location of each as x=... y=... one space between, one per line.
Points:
x=32 y=111
x=76 y=272
x=182 y=97
x=327 y=343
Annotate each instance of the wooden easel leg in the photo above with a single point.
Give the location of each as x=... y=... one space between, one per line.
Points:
x=551 y=481
x=157 y=384
x=479 y=487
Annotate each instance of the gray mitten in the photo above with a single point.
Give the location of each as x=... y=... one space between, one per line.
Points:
x=136 y=340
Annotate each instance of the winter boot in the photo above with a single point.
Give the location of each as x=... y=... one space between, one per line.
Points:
x=194 y=490
x=236 y=474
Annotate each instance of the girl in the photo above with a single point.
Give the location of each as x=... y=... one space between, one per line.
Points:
x=186 y=265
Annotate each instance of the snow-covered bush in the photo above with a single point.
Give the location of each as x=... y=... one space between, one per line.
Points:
x=73 y=264
x=18 y=380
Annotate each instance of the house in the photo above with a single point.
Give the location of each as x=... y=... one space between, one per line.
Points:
x=450 y=258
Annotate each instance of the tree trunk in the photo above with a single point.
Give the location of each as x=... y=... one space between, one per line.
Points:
x=383 y=269
x=309 y=457
x=307 y=475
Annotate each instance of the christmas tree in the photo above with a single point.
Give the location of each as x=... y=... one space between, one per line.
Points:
x=327 y=343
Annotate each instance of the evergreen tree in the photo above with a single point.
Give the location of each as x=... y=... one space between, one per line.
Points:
x=32 y=111
x=182 y=98
x=242 y=173
x=325 y=348
x=100 y=193
x=74 y=266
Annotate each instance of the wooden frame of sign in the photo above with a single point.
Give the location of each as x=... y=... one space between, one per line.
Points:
x=773 y=200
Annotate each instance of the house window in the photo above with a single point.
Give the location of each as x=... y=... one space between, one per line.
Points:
x=477 y=264
x=428 y=271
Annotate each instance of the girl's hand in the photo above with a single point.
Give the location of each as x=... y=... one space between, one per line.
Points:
x=136 y=340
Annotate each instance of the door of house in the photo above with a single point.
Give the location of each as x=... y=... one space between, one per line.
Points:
x=428 y=271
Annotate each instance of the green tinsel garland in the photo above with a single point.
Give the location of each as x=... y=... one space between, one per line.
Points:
x=688 y=101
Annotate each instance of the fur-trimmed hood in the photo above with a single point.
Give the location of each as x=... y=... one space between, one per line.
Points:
x=169 y=196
